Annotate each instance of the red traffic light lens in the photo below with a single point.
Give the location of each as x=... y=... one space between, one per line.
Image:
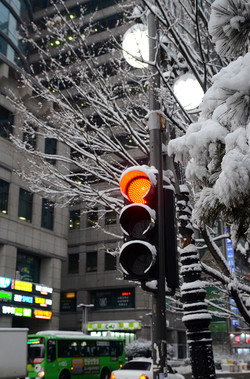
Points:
x=138 y=189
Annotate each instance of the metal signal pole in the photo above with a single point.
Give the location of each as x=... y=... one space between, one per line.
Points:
x=159 y=344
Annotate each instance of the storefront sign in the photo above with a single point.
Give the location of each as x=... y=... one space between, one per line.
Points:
x=24 y=299
x=113 y=298
x=5 y=282
x=114 y=325
x=5 y=296
x=46 y=315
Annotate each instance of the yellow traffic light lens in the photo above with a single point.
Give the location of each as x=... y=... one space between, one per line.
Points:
x=138 y=189
x=136 y=184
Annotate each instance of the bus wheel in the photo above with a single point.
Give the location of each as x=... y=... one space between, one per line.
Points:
x=105 y=374
x=64 y=375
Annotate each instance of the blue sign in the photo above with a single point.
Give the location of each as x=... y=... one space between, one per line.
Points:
x=4 y=282
x=235 y=322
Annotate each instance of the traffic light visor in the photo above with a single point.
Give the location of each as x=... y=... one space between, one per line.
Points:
x=135 y=185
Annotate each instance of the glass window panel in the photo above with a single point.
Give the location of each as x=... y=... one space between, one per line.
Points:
x=73 y=261
x=30 y=140
x=25 y=205
x=110 y=262
x=4 y=194
x=92 y=218
x=50 y=149
x=6 y=118
x=47 y=214
x=28 y=267
x=110 y=217
x=74 y=219
x=91 y=261
x=4 y=17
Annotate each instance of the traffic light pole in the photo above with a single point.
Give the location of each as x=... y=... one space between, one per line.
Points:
x=159 y=344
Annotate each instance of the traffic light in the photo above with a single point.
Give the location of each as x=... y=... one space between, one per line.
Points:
x=138 y=254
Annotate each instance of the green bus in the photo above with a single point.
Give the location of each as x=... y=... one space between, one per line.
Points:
x=66 y=355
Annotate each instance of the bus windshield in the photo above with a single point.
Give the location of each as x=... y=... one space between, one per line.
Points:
x=36 y=350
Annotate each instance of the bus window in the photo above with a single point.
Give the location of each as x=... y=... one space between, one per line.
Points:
x=91 y=349
x=83 y=348
x=68 y=348
x=73 y=349
x=116 y=348
x=103 y=348
x=64 y=348
x=51 y=354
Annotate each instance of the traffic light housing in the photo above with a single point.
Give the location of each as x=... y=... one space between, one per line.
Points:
x=138 y=254
x=170 y=236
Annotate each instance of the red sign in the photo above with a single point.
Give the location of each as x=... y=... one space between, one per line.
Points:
x=237 y=340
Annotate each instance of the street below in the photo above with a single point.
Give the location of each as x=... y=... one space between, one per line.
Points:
x=226 y=375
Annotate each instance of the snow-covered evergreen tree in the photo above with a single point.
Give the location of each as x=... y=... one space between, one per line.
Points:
x=216 y=148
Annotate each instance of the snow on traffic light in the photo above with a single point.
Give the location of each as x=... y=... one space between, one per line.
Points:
x=138 y=221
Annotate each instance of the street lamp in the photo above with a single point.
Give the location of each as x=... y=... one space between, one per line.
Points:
x=85 y=316
x=135 y=46
x=188 y=91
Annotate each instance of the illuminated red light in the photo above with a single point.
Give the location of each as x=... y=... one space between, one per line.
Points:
x=138 y=189
x=126 y=293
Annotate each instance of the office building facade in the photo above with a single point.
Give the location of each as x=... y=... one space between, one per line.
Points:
x=59 y=248
x=33 y=234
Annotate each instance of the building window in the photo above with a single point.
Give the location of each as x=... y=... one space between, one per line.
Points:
x=29 y=138
x=110 y=262
x=50 y=149
x=110 y=217
x=6 y=122
x=4 y=194
x=47 y=214
x=92 y=217
x=74 y=219
x=25 y=205
x=27 y=267
x=91 y=262
x=73 y=263
x=68 y=301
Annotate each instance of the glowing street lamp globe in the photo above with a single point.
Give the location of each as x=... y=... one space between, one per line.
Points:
x=135 y=46
x=188 y=91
